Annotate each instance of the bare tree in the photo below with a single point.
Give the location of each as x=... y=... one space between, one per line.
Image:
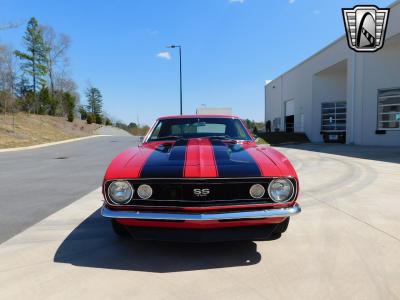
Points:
x=10 y=25
x=64 y=84
x=57 y=45
x=7 y=77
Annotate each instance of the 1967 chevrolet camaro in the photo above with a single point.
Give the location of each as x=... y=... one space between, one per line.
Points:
x=200 y=178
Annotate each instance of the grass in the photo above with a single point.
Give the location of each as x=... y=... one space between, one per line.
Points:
x=26 y=130
x=261 y=141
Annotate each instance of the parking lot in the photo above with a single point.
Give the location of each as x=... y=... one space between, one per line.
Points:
x=345 y=244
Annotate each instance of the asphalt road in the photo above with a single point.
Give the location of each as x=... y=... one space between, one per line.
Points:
x=36 y=183
x=345 y=244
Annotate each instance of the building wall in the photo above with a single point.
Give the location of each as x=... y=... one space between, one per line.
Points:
x=297 y=84
x=381 y=71
x=357 y=80
x=327 y=86
x=214 y=111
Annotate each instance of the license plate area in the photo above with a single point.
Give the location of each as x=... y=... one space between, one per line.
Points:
x=333 y=137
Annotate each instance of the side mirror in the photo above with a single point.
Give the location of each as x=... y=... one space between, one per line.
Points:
x=141 y=139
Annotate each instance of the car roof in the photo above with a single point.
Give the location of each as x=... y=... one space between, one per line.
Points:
x=197 y=116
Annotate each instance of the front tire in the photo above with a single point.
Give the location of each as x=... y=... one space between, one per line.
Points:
x=119 y=229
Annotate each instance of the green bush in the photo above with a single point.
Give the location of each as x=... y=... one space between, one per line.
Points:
x=89 y=119
x=99 y=119
x=70 y=116
x=260 y=141
x=108 y=122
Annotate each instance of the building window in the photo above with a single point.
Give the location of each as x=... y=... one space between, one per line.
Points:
x=389 y=109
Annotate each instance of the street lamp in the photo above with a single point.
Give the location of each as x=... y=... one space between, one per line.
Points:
x=180 y=71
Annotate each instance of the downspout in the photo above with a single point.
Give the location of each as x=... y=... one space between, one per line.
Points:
x=265 y=103
x=353 y=97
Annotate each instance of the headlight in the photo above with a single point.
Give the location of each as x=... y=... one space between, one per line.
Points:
x=120 y=192
x=145 y=191
x=257 y=191
x=280 y=190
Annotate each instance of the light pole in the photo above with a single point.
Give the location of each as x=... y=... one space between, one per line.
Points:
x=180 y=72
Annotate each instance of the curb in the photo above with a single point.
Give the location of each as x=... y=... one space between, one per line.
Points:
x=51 y=144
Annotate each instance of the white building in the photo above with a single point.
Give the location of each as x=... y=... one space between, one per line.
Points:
x=338 y=90
x=214 y=111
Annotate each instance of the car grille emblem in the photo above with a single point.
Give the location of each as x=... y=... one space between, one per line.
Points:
x=201 y=192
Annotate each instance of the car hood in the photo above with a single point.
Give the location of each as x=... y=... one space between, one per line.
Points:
x=199 y=158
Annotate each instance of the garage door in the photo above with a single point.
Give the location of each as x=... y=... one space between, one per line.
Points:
x=333 y=121
x=289 y=108
x=289 y=116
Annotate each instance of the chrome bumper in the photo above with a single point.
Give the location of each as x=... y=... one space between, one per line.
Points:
x=254 y=214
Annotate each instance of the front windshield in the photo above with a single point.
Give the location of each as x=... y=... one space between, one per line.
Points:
x=199 y=127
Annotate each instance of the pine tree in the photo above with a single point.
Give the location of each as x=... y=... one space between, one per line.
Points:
x=34 y=60
x=44 y=100
x=95 y=101
x=69 y=103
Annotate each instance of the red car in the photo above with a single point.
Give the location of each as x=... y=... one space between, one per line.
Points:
x=200 y=178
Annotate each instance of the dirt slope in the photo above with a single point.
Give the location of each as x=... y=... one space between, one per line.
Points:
x=26 y=130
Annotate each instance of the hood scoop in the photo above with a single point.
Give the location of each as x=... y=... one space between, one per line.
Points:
x=230 y=153
x=174 y=151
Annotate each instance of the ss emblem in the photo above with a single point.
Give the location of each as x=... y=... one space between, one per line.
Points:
x=201 y=192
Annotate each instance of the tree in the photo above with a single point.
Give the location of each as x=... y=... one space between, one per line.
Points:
x=255 y=130
x=90 y=118
x=122 y=125
x=45 y=101
x=71 y=116
x=57 y=47
x=95 y=102
x=34 y=60
x=83 y=112
x=64 y=84
x=24 y=94
x=7 y=78
x=10 y=25
x=99 y=119
x=69 y=105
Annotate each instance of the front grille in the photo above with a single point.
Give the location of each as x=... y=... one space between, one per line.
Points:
x=180 y=192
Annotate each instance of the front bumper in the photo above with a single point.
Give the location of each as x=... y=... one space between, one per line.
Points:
x=184 y=216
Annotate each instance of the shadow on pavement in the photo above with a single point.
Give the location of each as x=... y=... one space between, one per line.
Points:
x=380 y=153
x=93 y=244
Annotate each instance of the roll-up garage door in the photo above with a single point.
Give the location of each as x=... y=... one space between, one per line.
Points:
x=289 y=115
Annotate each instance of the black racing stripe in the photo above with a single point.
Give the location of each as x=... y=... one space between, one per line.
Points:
x=166 y=161
x=233 y=161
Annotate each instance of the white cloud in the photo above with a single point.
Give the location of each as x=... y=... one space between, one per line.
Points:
x=164 y=55
x=291 y=1
x=152 y=31
x=236 y=1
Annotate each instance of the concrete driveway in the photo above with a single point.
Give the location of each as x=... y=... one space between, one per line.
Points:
x=344 y=245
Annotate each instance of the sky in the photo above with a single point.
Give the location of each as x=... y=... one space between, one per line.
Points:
x=229 y=48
